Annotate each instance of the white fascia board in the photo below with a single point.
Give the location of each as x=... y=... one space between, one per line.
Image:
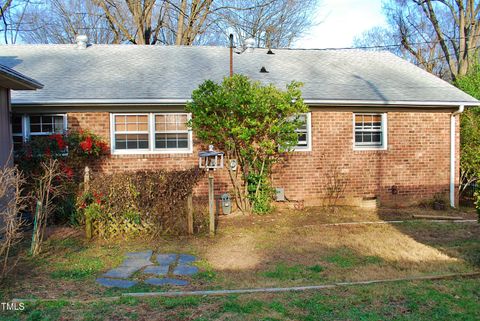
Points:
x=183 y=101
x=89 y=102
x=408 y=103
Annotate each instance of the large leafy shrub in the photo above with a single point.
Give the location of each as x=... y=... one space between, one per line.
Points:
x=252 y=123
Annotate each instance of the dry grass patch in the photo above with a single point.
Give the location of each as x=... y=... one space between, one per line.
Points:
x=288 y=248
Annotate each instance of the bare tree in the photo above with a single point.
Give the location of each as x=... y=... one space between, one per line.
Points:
x=11 y=15
x=275 y=23
x=60 y=21
x=272 y=23
x=439 y=35
x=159 y=21
x=457 y=28
x=47 y=190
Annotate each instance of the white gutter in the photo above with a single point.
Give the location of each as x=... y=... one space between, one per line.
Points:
x=182 y=101
x=452 y=153
x=412 y=103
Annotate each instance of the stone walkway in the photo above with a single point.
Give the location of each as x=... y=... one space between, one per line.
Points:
x=167 y=267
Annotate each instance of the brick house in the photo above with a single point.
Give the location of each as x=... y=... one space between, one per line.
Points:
x=374 y=118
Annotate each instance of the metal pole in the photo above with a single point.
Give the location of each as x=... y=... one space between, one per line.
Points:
x=211 y=201
x=231 y=55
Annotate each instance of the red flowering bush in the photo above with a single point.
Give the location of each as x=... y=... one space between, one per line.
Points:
x=74 y=151
x=87 y=145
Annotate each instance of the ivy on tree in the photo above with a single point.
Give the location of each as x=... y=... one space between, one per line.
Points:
x=252 y=123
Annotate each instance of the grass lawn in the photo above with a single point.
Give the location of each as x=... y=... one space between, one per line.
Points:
x=421 y=300
x=286 y=248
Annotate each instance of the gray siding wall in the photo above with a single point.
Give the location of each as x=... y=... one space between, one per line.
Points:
x=5 y=130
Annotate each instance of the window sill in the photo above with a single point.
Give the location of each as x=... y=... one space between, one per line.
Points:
x=148 y=152
x=370 y=149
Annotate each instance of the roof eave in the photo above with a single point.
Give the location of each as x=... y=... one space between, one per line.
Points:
x=12 y=79
x=396 y=103
x=183 y=101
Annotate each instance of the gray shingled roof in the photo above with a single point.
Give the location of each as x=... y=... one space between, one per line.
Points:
x=127 y=73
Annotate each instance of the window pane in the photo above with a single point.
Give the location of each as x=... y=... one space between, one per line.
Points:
x=120 y=119
x=17 y=142
x=131 y=141
x=47 y=128
x=367 y=137
x=160 y=141
x=132 y=123
x=132 y=127
x=143 y=127
x=58 y=125
x=302 y=130
x=35 y=119
x=35 y=128
x=302 y=140
x=165 y=140
x=131 y=118
x=17 y=124
x=368 y=130
x=358 y=138
x=358 y=120
x=183 y=143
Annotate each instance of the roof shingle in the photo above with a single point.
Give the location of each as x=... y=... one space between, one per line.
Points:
x=116 y=73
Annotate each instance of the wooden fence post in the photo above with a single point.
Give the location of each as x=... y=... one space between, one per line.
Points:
x=86 y=179
x=190 y=214
x=86 y=187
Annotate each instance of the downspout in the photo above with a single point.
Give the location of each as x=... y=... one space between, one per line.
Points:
x=452 y=153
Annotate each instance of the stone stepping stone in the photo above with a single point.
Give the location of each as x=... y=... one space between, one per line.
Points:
x=166 y=281
x=122 y=272
x=145 y=255
x=186 y=259
x=158 y=270
x=139 y=263
x=166 y=259
x=185 y=270
x=124 y=284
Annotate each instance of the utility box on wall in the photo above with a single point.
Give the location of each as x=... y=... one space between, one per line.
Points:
x=280 y=194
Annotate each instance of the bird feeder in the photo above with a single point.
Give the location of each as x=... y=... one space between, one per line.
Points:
x=210 y=160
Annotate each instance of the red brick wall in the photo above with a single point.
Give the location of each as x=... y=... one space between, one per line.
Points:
x=417 y=160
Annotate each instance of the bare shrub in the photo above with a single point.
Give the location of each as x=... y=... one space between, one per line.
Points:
x=336 y=184
x=48 y=187
x=151 y=197
x=11 y=204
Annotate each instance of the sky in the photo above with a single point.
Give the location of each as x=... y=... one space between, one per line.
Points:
x=342 y=21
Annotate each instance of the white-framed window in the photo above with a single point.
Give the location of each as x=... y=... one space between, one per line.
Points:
x=370 y=131
x=304 y=132
x=150 y=133
x=26 y=127
x=131 y=132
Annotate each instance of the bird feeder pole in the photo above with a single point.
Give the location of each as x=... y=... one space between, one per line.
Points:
x=211 y=160
x=211 y=201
